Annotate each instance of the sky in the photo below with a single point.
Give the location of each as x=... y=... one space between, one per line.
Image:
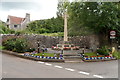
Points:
x=38 y=9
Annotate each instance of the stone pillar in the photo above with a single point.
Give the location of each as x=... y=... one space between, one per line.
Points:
x=65 y=27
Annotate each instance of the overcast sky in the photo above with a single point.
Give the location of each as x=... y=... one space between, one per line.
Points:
x=38 y=9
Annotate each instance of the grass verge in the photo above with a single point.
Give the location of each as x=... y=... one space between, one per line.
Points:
x=53 y=34
x=45 y=54
x=90 y=54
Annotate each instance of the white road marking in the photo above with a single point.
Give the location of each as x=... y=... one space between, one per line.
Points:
x=98 y=76
x=58 y=66
x=69 y=69
x=84 y=73
x=40 y=62
x=48 y=64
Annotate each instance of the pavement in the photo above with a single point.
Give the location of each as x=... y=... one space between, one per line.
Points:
x=15 y=67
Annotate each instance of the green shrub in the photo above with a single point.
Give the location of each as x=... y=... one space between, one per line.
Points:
x=43 y=30
x=1 y=47
x=17 y=45
x=58 y=55
x=103 y=51
x=9 y=44
x=116 y=54
x=30 y=49
x=20 y=45
x=18 y=32
x=5 y=30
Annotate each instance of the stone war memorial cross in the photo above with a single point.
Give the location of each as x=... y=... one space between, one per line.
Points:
x=65 y=27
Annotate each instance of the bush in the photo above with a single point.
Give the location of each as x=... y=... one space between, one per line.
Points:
x=17 y=45
x=1 y=47
x=20 y=45
x=5 y=30
x=116 y=54
x=103 y=51
x=9 y=44
x=30 y=49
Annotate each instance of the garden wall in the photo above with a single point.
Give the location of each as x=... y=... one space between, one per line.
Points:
x=91 y=41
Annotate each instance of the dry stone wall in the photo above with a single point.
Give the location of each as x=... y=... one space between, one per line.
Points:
x=91 y=41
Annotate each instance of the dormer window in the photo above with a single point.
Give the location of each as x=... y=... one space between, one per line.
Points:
x=15 y=26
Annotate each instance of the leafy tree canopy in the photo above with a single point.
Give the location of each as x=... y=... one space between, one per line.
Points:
x=89 y=17
x=52 y=25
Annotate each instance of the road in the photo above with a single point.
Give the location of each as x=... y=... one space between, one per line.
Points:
x=15 y=67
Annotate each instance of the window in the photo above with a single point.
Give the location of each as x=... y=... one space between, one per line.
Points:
x=15 y=26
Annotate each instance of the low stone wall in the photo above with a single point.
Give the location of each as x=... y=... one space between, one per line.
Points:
x=48 y=41
x=33 y=39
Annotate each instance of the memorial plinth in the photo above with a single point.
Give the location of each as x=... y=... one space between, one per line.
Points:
x=66 y=46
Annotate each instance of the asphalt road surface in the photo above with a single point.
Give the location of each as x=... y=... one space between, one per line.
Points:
x=15 y=67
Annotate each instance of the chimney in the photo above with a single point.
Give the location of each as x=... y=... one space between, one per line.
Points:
x=28 y=16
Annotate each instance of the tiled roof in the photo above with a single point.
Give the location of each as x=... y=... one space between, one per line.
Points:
x=16 y=20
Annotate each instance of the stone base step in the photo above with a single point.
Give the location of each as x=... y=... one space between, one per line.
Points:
x=72 y=57
x=73 y=60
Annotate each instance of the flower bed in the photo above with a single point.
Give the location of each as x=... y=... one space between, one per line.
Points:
x=42 y=57
x=98 y=58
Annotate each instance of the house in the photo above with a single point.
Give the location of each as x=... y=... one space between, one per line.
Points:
x=18 y=23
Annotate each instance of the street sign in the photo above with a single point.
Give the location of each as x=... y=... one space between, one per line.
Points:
x=112 y=37
x=112 y=33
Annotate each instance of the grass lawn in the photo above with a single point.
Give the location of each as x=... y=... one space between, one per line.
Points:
x=53 y=34
x=45 y=54
x=90 y=54
x=115 y=54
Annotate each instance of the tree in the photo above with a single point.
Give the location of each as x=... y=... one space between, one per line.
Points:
x=52 y=25
x=97 y=17
x=62 y=7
